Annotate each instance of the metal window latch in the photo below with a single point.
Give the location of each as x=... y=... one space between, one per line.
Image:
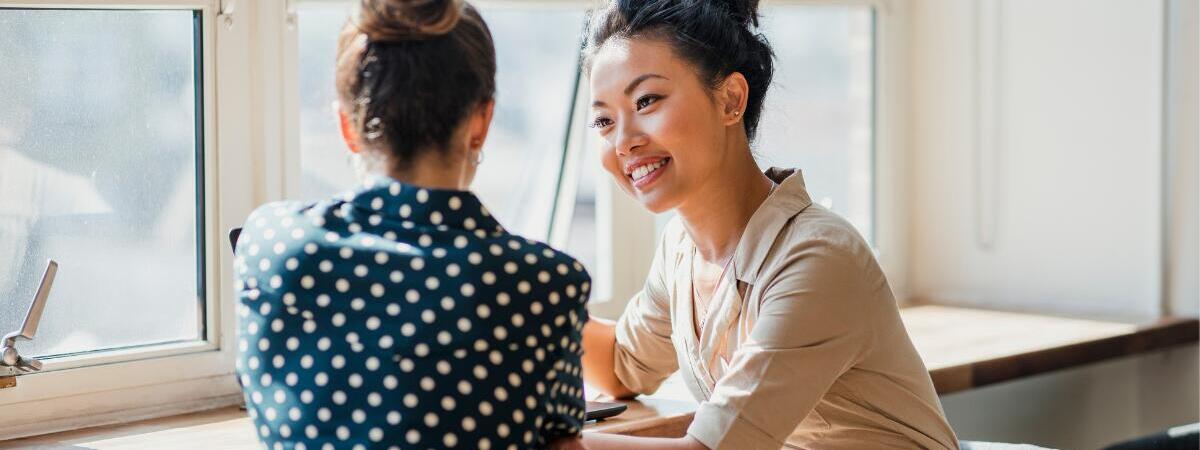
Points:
x=11 y=362
x=225 y=10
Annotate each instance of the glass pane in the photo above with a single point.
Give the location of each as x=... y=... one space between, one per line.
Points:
x=536 y=58
x=98 y=170
x=582 y=242
x=819 y=110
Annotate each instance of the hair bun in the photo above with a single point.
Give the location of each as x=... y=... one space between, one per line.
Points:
x=406 y=20
x=744 y=12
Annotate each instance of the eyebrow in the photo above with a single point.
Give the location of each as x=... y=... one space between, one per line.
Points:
x=634 y=84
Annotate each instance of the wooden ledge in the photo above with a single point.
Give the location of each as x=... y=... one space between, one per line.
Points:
x=963 y=349
x=969 y=348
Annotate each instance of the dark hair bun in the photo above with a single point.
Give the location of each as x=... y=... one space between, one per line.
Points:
x=744 y=12
x=405 y=20
x=409 y=73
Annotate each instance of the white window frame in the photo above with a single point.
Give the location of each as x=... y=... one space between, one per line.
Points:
x=157 y=380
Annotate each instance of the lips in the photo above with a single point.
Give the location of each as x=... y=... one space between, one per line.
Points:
x=645 y=171
x=635 y=164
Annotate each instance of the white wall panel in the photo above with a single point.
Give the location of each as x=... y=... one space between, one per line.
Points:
x=1038 y=155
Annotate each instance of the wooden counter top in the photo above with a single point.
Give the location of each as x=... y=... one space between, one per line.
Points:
x=963 y=349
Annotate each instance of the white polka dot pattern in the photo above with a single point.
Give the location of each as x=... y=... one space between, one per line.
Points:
x=401 y=317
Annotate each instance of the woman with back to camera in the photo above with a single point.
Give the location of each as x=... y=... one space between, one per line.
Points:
x=401 y=314
x=773 y=309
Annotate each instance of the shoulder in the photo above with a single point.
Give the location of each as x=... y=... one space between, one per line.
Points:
x=287 y=231
x=280 y=218
x=821 y=233
x=542 y=266
x=819 y=252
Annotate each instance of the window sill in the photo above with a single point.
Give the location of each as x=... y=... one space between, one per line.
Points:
x=967 y=348
x=963 y=349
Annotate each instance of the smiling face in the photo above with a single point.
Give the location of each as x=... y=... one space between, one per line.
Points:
x=664 y=131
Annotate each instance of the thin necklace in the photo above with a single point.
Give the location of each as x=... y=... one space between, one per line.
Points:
x=703 y=313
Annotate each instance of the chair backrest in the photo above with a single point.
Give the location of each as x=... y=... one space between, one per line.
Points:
x=234 y=234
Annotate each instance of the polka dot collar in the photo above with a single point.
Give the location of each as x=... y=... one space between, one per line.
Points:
x=443 y=209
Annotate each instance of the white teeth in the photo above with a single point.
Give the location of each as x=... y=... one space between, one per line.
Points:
x=642 y=171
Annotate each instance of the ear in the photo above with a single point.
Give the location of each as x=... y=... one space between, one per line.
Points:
x=348 y=133
x=733 y=95
x=479 y=124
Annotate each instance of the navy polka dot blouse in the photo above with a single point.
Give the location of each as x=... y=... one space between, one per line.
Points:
x=402 y=317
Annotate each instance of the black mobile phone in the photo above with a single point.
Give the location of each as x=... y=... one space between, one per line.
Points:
x=604 y=410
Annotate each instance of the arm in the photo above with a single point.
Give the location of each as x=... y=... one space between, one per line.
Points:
x=814 y=324
x=635 y=354
x=599 y=348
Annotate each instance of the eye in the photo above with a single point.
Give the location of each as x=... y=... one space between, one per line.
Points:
x=647 y=100
x=600 y=122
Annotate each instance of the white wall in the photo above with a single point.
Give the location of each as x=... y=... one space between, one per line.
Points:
x=1183 y=141
x=1088 y=202
x=1036 y=181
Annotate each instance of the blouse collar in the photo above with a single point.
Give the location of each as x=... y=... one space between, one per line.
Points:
x=788 y=200
x=412 y=205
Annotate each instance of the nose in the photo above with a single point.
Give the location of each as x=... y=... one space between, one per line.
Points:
x=629 y=137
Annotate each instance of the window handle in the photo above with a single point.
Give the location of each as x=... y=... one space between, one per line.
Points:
x=12 y=362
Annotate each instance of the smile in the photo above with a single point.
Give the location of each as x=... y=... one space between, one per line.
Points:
x=645 y=174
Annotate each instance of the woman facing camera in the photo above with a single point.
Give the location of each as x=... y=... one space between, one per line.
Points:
x=773 y=309
x=402 y=314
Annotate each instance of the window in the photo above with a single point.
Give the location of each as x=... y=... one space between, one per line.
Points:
x=819 y=117
x=583 y=240
x=108 y=164
x=100 y=168
x=536 y=67
x=819 y=111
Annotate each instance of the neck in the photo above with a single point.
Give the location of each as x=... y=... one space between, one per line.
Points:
x=430 y=170
x=716 y=214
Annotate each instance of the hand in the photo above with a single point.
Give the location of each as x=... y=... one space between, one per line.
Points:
x=568 y=443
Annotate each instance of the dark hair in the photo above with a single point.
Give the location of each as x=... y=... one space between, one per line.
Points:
x=713 y=35
x=410 y=71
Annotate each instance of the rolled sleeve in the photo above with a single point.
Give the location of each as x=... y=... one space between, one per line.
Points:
x=719 y=428
x=812 y=327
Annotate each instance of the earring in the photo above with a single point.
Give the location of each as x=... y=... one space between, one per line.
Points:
x=479 y=158
x=737 y=113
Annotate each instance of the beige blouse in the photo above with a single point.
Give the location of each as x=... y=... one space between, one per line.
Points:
x=814 y=356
